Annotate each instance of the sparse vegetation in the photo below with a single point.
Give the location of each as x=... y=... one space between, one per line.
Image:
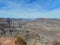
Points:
x=20 y=40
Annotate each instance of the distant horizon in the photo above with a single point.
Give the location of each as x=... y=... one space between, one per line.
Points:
x=30 y=18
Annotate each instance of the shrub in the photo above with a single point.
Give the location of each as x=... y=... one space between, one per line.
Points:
x=20 y=40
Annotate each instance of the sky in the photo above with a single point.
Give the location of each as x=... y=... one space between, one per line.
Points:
x=29 y=8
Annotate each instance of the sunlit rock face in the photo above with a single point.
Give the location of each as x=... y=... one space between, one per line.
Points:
x=7 y=41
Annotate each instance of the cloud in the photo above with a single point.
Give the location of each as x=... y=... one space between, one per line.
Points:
x=34 y=4
x=30 y=8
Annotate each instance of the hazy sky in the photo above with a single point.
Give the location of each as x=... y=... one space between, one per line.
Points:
x=30 y=8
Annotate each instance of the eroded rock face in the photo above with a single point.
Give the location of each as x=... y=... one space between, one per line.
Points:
x=49 y=28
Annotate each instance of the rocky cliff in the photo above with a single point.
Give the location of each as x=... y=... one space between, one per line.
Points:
x=41 y=30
